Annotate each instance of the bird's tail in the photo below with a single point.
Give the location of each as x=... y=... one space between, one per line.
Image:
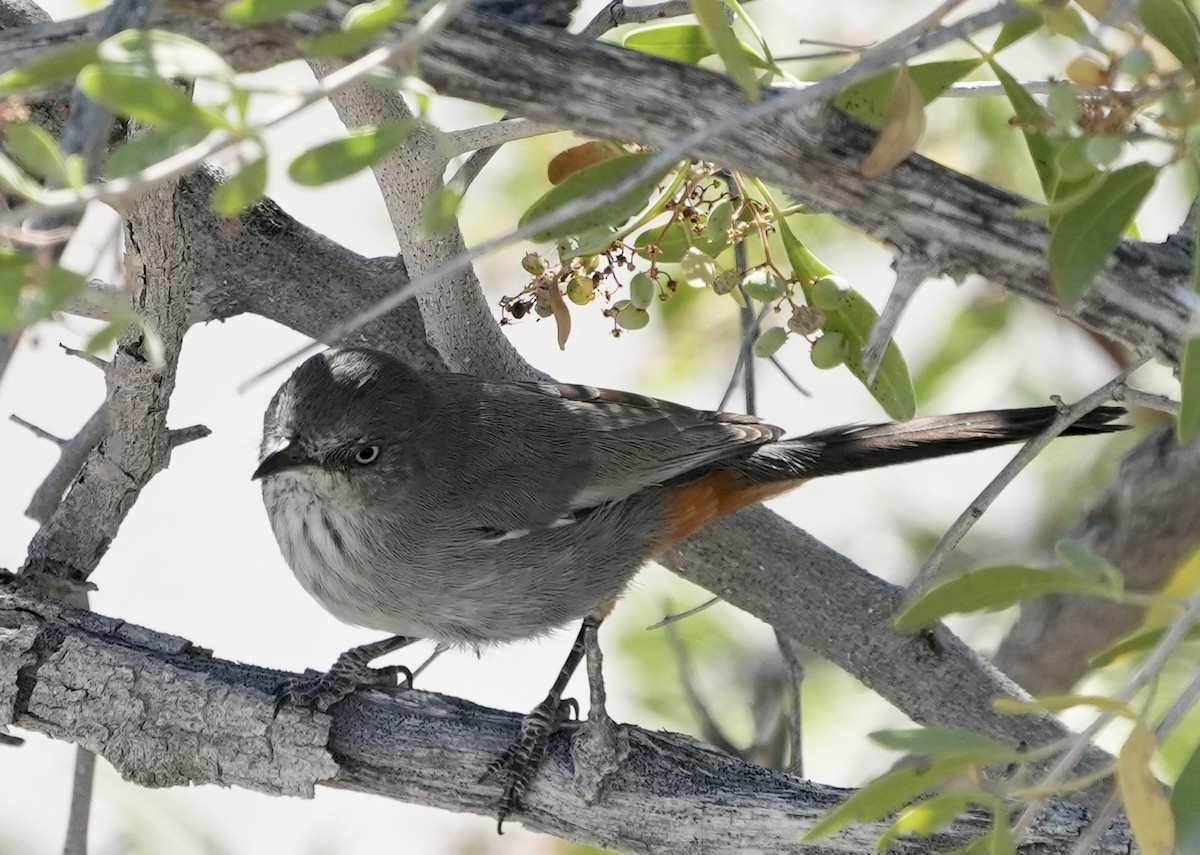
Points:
x=857 y=447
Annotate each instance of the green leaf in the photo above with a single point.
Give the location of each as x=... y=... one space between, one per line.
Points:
x=992 y=589
x=14 y=180
x=147 y=99
x=104 y=337
x=1148 y=810
x=1081 y=558
x=1185 y=796
x=1174 y=25
x=928 y=816
x=1065 y=21
x=1015 y=30
x=1187 y=426
x=678 y=42
x=38 y=152
x=33 y=290
x=1000 y=838
x=361 y=27
x=242 y=189
x=868 y=101
x=162 y=54
x=588 y=182
x=340 y=42
x=712 y=17
x=1083 y=238
x=151 y=147
x=376 y=15
x=946 y=741
x=1058 y=703
x=251 y=12
x=672 y=242
x=441 y=209
x=360 y=149
x=887 y=794
x=52 y=67
x=1137 y=642
x=854 y=321
x=1032 y=120
x=12 y=281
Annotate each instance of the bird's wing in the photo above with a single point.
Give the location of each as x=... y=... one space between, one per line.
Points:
x=537 y=453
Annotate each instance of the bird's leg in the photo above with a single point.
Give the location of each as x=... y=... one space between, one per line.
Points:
x=605 y=728
x=351 y=670
x=521 y=760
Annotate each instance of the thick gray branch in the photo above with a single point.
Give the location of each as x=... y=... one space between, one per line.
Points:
x=137 y=444
x=273 y=266
x=165 y=713
x=1144 y=525
x=824 y=601
x=607 y=91
x=458 y=323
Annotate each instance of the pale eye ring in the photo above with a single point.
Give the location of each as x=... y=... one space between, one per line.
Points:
x=366 y=455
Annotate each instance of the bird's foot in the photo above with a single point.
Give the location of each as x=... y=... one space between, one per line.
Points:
x=519 y=764
x=321 y=691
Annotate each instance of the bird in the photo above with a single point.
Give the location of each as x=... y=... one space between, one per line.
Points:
x=473 y=511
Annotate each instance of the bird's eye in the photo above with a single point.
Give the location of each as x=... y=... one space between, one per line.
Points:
x=366 y=455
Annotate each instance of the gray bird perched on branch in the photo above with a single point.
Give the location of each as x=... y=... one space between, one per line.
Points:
x=470 y=511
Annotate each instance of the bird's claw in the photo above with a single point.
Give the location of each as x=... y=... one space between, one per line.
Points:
x=521 y=761
x=321 y=691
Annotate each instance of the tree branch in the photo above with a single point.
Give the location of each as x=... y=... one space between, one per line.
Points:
x=166 y=713
x=1144 y=525
x=610 y=92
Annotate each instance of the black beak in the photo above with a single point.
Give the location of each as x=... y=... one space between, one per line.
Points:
x=285 y=457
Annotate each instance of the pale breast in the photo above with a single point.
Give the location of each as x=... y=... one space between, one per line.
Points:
x=326 y=546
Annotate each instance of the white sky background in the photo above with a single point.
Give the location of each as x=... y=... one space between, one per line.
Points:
x=196 y=558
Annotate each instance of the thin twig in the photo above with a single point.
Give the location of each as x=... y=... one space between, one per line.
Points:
x=72 y=454
x=616 y=14
x=90 y=358
x=795 y=733
x=1183 y=703
x=1149 y=400
x=1147 y=672
x=81 y=803
x=496 y=134
x=709 y=729
x=887 y=54
x=1066 y=417
x=748 y=330
x=746 y=311
x=787 y=375
x=919 y=29
x=182 y=436
x=438 y=650
x=40 y=433
x=909 y=276
x=674 y=618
